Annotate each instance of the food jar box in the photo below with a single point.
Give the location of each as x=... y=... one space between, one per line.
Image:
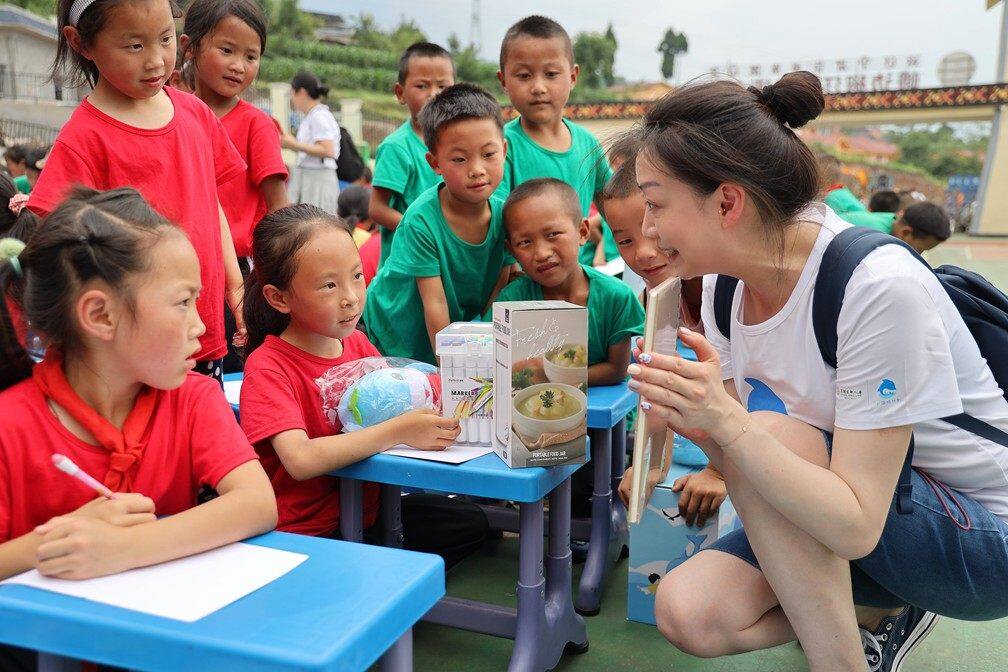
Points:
x=540 y=383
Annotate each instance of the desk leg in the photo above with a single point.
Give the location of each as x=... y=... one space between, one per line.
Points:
x=593 y=575
x=569 y=631
x=531 y=632
x=49 y=662
x=391 y=512
x=619 y=512
x=400 y=657
x=351 y=498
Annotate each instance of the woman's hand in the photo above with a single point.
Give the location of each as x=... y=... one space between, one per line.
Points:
x=689 y=396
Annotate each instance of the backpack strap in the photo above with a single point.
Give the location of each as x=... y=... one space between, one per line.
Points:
x=724 y=297
x=848 y=249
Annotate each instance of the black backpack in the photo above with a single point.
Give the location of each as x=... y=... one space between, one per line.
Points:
x=349 y=164
x=983 y=307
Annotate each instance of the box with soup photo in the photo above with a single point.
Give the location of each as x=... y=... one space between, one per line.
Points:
x=541 y=382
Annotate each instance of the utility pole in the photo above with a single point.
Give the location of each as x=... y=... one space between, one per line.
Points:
x=476 y=26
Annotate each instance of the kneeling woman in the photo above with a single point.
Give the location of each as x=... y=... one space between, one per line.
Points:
x=812 y=454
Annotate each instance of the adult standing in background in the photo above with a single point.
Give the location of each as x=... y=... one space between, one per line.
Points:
x=313 y=179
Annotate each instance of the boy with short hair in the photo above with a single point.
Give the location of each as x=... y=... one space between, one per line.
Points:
x=923 y=226
x=703 y=492
x=538 y=72
x=401 y=171
x=884 y=201
x=448 y=260
x=545 y=229
x=16 y=158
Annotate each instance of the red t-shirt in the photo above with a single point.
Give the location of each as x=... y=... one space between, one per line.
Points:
x=194 y=440
x=254 y=134
x=370 y=255
x=279 y=393
x=176 y=168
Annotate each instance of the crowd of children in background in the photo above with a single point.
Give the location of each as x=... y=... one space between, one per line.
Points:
x=168 y=228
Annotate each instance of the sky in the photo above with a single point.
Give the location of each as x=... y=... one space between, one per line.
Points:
x=743 y=32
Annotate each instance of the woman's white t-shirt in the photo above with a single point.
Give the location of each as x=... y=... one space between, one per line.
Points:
x=318 y=124
x=904 y=357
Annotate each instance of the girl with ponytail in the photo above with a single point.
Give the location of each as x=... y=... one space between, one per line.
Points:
x=302 y=305
x=109 y=285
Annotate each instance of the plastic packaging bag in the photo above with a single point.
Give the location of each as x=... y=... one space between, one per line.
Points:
x=369 y=391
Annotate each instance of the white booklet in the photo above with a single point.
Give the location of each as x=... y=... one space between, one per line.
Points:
x=661 y=333
x=186 y=589
x=451 y=454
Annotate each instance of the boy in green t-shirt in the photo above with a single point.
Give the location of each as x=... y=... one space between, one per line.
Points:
x=538 y=72
x=545 y=228
x=401 y=170
x=448 y=259
x=16 y=158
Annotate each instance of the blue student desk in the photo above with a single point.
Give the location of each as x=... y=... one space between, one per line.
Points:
x=607 y=535
x=545 y=624
x=341 y=609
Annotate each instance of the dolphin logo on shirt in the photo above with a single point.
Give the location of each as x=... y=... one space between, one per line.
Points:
x=762 y=398
x=887 y=389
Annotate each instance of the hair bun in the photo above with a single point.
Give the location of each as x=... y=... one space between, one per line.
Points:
x=323 y=90
x=796 y=99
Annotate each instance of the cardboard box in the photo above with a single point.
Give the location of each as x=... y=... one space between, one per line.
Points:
x=466 y=353
x=540 y=383
x=661 y=541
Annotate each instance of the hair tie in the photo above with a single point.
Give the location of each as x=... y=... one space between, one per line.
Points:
x=768 y=97
x=77 y=9
x=17 y=203
x=10 y=248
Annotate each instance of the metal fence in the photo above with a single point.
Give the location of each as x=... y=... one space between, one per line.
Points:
x=36 y=87
x=376 y=127
x=259 y=96
x=14 y=132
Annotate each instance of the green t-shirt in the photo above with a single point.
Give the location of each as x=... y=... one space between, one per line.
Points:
x=614 y=313
x=583 y=166
x=880 y=221
x=22 y=185
x=425 y=247
x=842 y=200
x=401 y=167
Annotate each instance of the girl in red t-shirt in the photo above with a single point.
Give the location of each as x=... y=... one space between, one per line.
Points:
x=221 y=45
x=131 y=130
x=303 y=300
x=110 y=285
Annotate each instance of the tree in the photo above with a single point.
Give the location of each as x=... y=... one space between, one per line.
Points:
x=368 y=34
x=938 y=150
x=290 y=20
x=454 y=44
x=595 y=53
x=672 y=45
x=405 y=34
x=44 y=8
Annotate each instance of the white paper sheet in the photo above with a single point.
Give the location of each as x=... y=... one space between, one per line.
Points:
x=451 y=454
x=186 y=589
x=232 y=391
